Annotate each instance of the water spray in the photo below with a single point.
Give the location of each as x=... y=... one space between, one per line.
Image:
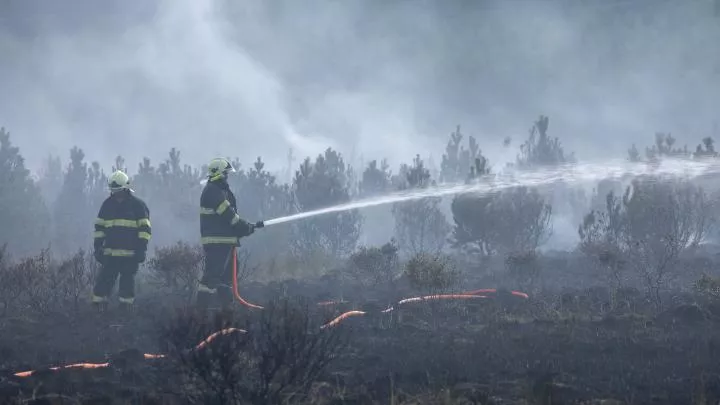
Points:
x=568 y=173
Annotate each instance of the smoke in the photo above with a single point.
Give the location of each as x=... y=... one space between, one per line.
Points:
x=372 y=78
x=176 y=80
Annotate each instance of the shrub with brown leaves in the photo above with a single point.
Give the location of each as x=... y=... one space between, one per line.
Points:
x=178 y=267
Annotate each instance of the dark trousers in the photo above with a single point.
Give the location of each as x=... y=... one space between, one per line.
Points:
x=126 y=268
x=217 y=274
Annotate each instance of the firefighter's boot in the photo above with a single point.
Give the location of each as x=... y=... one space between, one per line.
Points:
x=100 y=306
x=225 y=297
x=204 y=299
x=99 y=303
x=126 y=308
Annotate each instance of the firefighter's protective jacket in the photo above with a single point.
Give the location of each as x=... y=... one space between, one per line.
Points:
x=122 y=227
x=220 y=223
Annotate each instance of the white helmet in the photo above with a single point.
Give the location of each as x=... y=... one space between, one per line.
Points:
x=119 y=181
x=219 y=168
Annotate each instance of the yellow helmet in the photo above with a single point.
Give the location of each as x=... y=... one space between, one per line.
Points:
x=119 y=181
x=219 y=168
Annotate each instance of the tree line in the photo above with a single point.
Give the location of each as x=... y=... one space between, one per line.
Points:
x=644 y=225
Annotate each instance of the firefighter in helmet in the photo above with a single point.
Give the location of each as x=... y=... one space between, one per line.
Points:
x=220 y=229
x=122 y=233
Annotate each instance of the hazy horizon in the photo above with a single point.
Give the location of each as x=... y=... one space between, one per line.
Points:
x=374 y=79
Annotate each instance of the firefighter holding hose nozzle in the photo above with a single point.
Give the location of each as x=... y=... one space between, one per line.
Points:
x=220 y=229
x=122 y=233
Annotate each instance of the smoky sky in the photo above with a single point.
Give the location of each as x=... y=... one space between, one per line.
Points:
x=372 y=78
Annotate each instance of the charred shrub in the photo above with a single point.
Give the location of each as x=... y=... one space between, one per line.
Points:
x=39 y=285
x=707 y=290
x=431 y=274
x=177 y=267
x=524 y=268
x=246 y=269
x=274 y=359
x=599 y=241
x=653 y=224
x=37 y=293
x=708 y=287
x=72 y=279
x=13 y=283
x=376 y=267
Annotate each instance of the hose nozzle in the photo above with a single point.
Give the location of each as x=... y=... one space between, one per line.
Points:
x=259 y=224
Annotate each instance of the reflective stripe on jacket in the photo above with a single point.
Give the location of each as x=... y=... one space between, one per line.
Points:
x=219 y=220
x=122 y=227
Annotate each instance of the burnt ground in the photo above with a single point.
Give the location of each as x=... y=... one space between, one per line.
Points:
x=505 y=350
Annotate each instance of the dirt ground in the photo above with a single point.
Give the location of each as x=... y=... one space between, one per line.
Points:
x=503 y=350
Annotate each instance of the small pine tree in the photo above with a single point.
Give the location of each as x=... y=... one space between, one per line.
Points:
x=74 y=213
x=375 y=179
x=541 y=150
x=319 y=184
x=420 y=226
x=457 y=161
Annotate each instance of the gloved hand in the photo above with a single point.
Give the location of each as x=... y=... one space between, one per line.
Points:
x=99 y=256
x=259 y=224
x=140 y=255
x=246 y=229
